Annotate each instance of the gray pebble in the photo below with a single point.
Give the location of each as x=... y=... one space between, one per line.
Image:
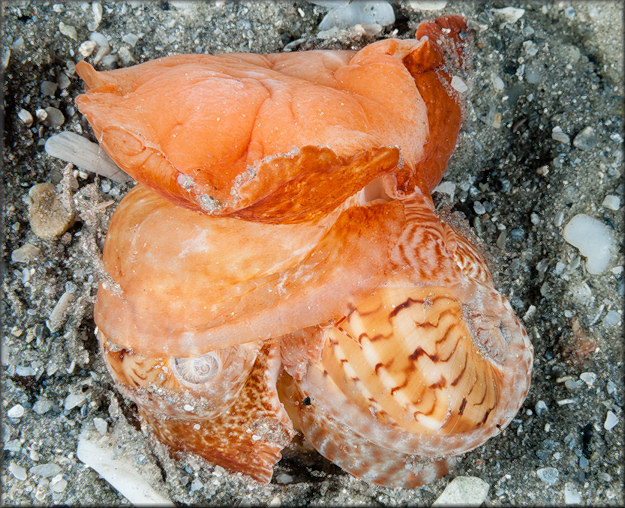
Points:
x=42 y=406
x=610 y=421
x=26 y=253
x=13 y=446
x=557 y=134
x=54 y=117
x=479 y=208
x=68 y=31
x=18 y=471
x=25 y=117
x=74 y=400
x=586 y=139
x=46 y=214
x=101 y=425
x=548 y=475
x=48 y=88
x=571 y=495
x=58 y=484
x=17 y=411
x=46 y=470
x=63 y=81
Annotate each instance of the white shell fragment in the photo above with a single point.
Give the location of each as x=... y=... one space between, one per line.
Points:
x=355 y=13
x=510 y=14
x=593 y=239
x=427 y=5
x=119 y=472
x=610 y=421
x=72 y=147
x=463 y=491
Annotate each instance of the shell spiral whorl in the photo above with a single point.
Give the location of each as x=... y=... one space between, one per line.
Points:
x=280 y=265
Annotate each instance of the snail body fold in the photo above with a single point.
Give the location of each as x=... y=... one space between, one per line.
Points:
x=280 y=266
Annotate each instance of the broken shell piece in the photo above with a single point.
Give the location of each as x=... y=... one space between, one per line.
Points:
x=72 y=147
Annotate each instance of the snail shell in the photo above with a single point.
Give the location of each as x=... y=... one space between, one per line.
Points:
x=415 y=373
x=283 y=226
x=222 y=405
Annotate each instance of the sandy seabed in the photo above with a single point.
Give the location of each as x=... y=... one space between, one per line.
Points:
x=557 y=65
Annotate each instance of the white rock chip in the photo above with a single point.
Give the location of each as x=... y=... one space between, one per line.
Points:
x=59 y=314
x=610 y=421
x=463 y=491
x=548 y=475
x=571 y=495
x=431 y=5
x=458 y=84
x=557 y=134
x=74 y=400
x=46 y=470
x=119 y=472
x=510 y=14
x=589 y=378
x=593 y=239
x=86 y=48
x=612 y=202
x=101 y=425
x=68 y=31
x=17 y=411
x=26 y=253
x=42 y=406
x=25 y=117
x=18 y=471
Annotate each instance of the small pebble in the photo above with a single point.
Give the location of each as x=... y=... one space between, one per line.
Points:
x=16 y=411
x=557 y=134
x=48 y=88
x=101 y=425
x=59 y=314
x=74 y=400
x=510 y=14
x=58 y=484
x=13 y=446
x=571 y=495
x=479 y=208
x=612 y=202
x=284 y=478
x=196 y=485
x=125 y=55
x=54 y=117
x=25 y=117
x=18 y=471
x=427 y=5
x=46 y=470
x=63 y=81
x=46 y=214
x=586 y=139
x=86 y=48
x=612 y=318
x=610 y=421
x=68 y=31
x=26 y=253
x=588 y=377
x=548 y=475
x=498 y=83
x=463 y=491
x=130 y=39
x=42 y=406
x=458 y=84
x=593 y=239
